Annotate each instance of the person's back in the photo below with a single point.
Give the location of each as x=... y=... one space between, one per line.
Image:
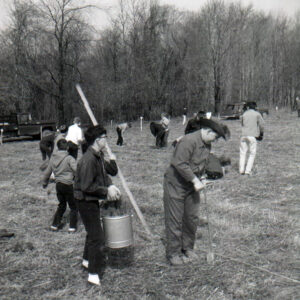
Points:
x=123 y=126
x=48 y=139
x=194 y=123
x=47 y=146
x=252 y=130
x=63 y=166
x=252 y=123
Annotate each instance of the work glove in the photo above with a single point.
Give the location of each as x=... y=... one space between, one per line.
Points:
x=113 y=193
x=198 y=184
x=260 y=137
x=45 y=185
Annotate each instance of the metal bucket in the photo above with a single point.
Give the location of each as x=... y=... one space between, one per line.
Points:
x=118 y=231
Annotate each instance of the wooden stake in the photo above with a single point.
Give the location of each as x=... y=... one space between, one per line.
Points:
x=120 y=174
x=1 y=137
x=141 y=123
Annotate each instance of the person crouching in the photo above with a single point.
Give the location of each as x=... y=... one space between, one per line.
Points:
x=92 y=182
x=120 y=131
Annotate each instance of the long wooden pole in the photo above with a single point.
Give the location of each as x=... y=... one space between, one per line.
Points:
x=124 y=183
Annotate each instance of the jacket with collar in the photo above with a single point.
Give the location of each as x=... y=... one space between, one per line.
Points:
x=92 y=176
x=189 y=159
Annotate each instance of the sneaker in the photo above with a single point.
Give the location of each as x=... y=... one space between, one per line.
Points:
x=72 y=230
x=176 y=260
x=54 y=227
x=247 y=173
x=85 y=263
x=94 y=279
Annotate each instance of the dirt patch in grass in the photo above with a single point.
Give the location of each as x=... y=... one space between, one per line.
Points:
x=254 y=220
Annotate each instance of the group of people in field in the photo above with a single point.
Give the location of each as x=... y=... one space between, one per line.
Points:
x=81 y=183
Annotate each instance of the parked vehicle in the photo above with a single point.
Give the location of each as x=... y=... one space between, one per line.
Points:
x=235 y=110
x=17 y=126
x=232 y=111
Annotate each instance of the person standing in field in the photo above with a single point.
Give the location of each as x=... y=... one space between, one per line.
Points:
x=63 y=166
x=182 y=184
x=120 y=130
x=74 y=137
x=47 y=145
x=298 y=106
x=252 y=130
x=92 y=182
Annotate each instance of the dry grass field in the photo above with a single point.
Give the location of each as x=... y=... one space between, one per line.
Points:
x=254 y=221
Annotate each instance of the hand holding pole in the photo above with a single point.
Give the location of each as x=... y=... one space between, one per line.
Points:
x=120 y=174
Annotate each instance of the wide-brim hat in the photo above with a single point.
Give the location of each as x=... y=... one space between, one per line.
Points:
x=220 y=129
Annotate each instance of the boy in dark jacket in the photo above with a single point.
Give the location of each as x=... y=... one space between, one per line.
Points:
x=92 y=183
x=63 y=166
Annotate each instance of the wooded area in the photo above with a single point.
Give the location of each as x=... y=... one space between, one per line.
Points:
x=152 y=58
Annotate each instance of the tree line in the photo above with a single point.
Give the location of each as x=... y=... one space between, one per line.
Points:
x=151 y=58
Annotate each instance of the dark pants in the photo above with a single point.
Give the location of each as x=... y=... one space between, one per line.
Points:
x=298 y=113
x=160 y=133
x=94 y=242
x=46 y=151
x=120 y=138
x=65 y=195
x=73 y=149
x=162 y=139
x=181 y=208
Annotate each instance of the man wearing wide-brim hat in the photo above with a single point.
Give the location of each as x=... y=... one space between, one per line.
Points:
x=182 y=185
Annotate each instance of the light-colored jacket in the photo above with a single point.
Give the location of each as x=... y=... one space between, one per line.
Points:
x=63 y=166
x=252 y=123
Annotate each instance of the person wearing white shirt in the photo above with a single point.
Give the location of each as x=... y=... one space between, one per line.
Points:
x=74 y=137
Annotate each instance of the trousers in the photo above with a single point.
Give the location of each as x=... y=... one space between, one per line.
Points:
x=120 y=137
x=94 y=248
x=181 y=209
x=247 y=144
x=65 y=195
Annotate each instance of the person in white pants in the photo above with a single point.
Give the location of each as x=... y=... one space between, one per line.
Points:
x=252 y=130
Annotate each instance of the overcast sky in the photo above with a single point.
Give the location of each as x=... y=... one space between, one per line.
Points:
x=100 y=19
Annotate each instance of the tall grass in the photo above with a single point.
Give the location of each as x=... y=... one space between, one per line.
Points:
x=254 y=222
